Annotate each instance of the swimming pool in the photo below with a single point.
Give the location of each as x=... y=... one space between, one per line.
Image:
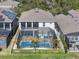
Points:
x=38 y=45
x=2 y=43
x=25 y=44
x=44 y=44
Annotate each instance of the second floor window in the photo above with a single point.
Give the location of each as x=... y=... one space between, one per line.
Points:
x=35 y=24
x=29 y=24
x=1 y=25
x=44 y=24
x=23 y=25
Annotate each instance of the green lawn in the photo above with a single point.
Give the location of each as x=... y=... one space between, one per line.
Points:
x=38 y=56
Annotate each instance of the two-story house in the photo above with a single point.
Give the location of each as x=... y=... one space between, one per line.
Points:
x=69 y=27
x=36 y=23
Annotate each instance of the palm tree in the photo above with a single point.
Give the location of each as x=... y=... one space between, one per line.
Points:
x=34 y=42
x=55 y=42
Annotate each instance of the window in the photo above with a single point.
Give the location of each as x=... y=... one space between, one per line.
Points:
x=70 y=38
x=7 y=25
x=70 y=45
x=1 y=25
x=23 y=25
x=35 y=24
x=76 y=38
x=44 y=24
x=29 y=24
x=27 y=33
x=72 y=42
x=36 y=34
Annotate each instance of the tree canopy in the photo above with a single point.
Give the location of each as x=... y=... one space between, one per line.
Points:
x=54 y=6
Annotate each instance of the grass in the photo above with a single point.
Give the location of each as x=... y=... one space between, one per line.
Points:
x=38 y=56
x=38 y=51
x=44 y=54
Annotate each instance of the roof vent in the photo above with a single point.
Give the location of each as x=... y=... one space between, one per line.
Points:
x=36 y=10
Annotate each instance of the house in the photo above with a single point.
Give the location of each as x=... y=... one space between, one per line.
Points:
x=70 y=29
x=9 y=4
x=40 y=24
x=8 y=23
x=36 y=23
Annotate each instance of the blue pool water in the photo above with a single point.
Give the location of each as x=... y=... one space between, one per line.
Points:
x=25 y=44
x=44 y=44
x=40 y=44
x=2 y=42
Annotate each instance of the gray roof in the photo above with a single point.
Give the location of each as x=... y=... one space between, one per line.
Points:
x=9 y=4
x=67 y=24
x=7 y=15
x=74 y=13
x=36 y=15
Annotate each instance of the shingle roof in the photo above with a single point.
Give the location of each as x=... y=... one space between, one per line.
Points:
x=36 y=15
x=67 y=24
x=7 y=16
x=74 y=13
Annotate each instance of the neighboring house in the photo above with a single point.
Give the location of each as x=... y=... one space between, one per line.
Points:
x=8 y=23
x=70 y=29
x=8 y=4
x=36 y=23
